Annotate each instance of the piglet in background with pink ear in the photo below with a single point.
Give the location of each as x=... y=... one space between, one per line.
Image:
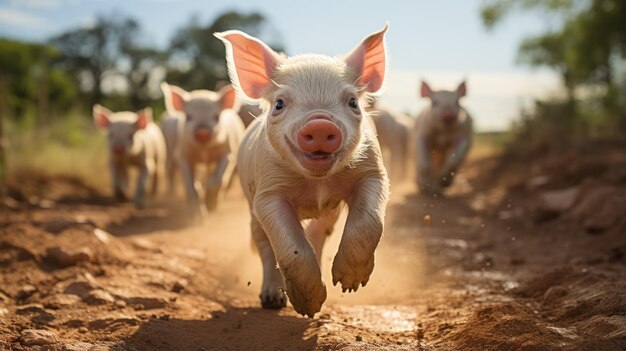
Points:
x=134 y=141
x=312 y=152
x=204 y=128
x=442 y=137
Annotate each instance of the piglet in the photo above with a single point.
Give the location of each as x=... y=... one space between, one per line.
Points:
x=134 y=141
x=248 y=113
x=203 y=129
x=442 y=136
x=311 y=151
x=170 y=125
x=393 y=129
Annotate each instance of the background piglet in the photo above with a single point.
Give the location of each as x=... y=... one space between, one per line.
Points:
x=134 y=141
x=208 y=131
x=443 y=133
x=393 y=130
x=311 y=152
x=171 y=126
x=249 y=112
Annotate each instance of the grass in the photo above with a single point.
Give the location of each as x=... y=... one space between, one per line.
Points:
x=486 y=144
x=71 y=146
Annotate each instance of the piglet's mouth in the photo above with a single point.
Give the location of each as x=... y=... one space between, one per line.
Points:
x=317 y=162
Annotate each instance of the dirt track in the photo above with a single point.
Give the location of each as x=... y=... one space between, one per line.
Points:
x=484 y=273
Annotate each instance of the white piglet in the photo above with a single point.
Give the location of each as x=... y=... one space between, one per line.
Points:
x=310 y=152
x=209 y=132
x=171 y=127
x=442 y=136
x=393 y=131
x=134 y=141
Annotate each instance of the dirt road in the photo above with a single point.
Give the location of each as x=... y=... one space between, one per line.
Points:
x=475 y=270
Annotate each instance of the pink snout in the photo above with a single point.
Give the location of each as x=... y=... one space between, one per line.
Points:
x=319 y=135
x=202 y=135
x=448 y=117
x=119 y=149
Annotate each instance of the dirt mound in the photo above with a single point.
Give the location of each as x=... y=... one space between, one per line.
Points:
x=507 y=326
x=582 y=185
x=30 y=189
x=565 y=309
x=61 y=278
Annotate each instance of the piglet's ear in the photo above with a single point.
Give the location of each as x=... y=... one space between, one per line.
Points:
x=143 y=118
x=175 y=98
x=425 y=90
x=101 y=116
x=369 y=59
x=228 y=96
x=250 y=63
x=462 y=89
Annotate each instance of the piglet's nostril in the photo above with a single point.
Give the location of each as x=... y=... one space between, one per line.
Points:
x=319 y=135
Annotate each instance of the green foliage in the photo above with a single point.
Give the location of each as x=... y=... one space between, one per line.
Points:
x=494 y=11
x=588 y=50
x=113 y=48
x=27 y=81
x=197 y=57
x=90 y=54
x=72 y=145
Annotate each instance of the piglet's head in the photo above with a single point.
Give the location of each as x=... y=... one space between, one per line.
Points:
x=121 y=127
x=201 y=108
x=314 y=119
x=445 y=105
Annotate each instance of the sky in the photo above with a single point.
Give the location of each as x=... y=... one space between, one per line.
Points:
x=440 y=41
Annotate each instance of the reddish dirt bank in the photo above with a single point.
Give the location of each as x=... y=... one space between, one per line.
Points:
x=524 y=254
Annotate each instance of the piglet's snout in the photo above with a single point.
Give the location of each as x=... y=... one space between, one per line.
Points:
x=449 y=117
x=319 y=135
x=202 y=135
x=119 y=149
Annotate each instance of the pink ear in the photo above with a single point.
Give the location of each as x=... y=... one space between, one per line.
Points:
x=462 y=89
x=250 y=62
x=369 y=60
x=228 y=96
x=174 y=98
x=101 y=116
x=143 y=118
x=425 y=90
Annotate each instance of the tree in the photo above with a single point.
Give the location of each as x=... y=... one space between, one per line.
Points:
x=26 y=77
x=143 y=63
x=91 y=54
x=197 y=58
x=587 y=49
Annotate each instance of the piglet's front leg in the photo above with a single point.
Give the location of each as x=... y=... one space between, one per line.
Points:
x=214 y=183
x=454 y=160
x=145 y=172
x=354 y=261
x=294 y=254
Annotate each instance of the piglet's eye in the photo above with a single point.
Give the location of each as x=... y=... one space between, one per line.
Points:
x=279 y=105
x=353 y=103
x=188 y=117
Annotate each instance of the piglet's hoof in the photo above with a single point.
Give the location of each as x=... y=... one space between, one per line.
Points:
x=273 y=300
x=211 y=203
x=307 y=299
x=120 y=196
x=446 y=181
